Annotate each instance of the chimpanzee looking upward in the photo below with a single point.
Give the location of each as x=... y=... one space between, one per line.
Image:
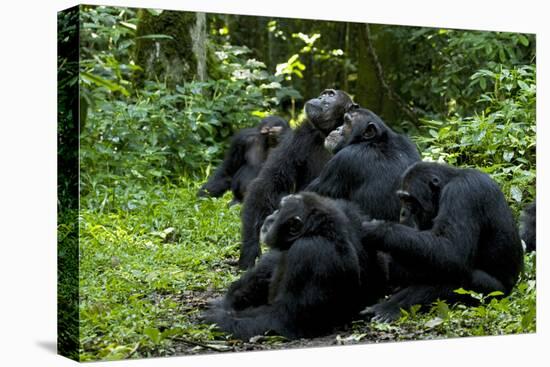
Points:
x=247 y=152
x=309 y=282
x=456 y=230
x=290 y=167
x=528 y=227
x=367 y=166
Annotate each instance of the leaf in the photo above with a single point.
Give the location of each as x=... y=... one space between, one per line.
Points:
x=483 y=83
x=516 y=194
x=523 y=85
x=495 y=294
x=434 y=322
x=155 y=12
x=156 y=36
x=502 y=55
x=153 y=333
x=507 y=156
x=442 y=309
x=523 y=40
x=99 y=81
x=528 y=318
x=471 y=293
x=129 y=25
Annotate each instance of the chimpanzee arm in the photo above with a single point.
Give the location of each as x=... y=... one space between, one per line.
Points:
x=448 y=248
x=252 y=289
x=235 y=158
x=262 y=200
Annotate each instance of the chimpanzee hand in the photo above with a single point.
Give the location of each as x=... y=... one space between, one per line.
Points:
x=373 y=233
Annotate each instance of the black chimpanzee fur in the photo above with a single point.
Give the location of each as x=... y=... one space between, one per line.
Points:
x=367 y=166
x=290 y=167
x=247 y=153
x=528 y=227
x=456 y=230
x=316 y=276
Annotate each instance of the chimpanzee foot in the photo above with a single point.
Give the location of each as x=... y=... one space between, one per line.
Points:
x=382 y=312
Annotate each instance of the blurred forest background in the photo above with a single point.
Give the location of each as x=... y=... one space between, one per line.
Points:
x=161 y=92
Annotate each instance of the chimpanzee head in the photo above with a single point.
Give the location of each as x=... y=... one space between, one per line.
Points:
x=362 y=125
x=299 y=215
x=420 y=192
x=326 y=111
x=272 y=129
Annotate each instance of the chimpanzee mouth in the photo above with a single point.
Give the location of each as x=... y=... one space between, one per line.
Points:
x=313 y=109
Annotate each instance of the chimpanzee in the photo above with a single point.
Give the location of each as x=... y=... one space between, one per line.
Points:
x=314 y=278
x=297 y=160
x=456 y=231
x=528 y=227
x=367 y=166
x=247 y=152
x=334 y=138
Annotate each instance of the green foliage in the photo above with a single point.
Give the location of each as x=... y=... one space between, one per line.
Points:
x=136 y=138
x=439 y=61
x=500 y=139
x=106 y=38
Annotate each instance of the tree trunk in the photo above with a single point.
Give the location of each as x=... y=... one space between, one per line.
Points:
x=370 y=92
x=198 y=34
x=181 y=58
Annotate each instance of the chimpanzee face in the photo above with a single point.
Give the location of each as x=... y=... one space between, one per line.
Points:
x=286 y=224
x=299 y=215
x=419 y=202
x=361 y=125
x=326 y=111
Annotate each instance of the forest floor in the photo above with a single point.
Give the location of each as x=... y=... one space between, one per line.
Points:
x=149 y=266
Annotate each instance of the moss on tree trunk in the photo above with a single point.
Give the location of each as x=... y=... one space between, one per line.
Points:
x=170 y=60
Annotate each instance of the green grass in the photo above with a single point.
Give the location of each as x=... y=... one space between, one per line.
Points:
x=141 y=271
x=146 y=273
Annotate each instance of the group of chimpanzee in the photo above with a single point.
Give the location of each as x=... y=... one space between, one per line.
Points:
x=356 y=224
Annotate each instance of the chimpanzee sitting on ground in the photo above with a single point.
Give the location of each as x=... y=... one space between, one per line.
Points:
x=314 y=278
x=248 y=151
x=456 y=231
x=528 y=227
x=290 y=167
x=367 y=166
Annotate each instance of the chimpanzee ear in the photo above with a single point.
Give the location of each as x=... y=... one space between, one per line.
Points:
x=435 y=182
x=354 y=106
x=295 y=225
x=371 y=131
